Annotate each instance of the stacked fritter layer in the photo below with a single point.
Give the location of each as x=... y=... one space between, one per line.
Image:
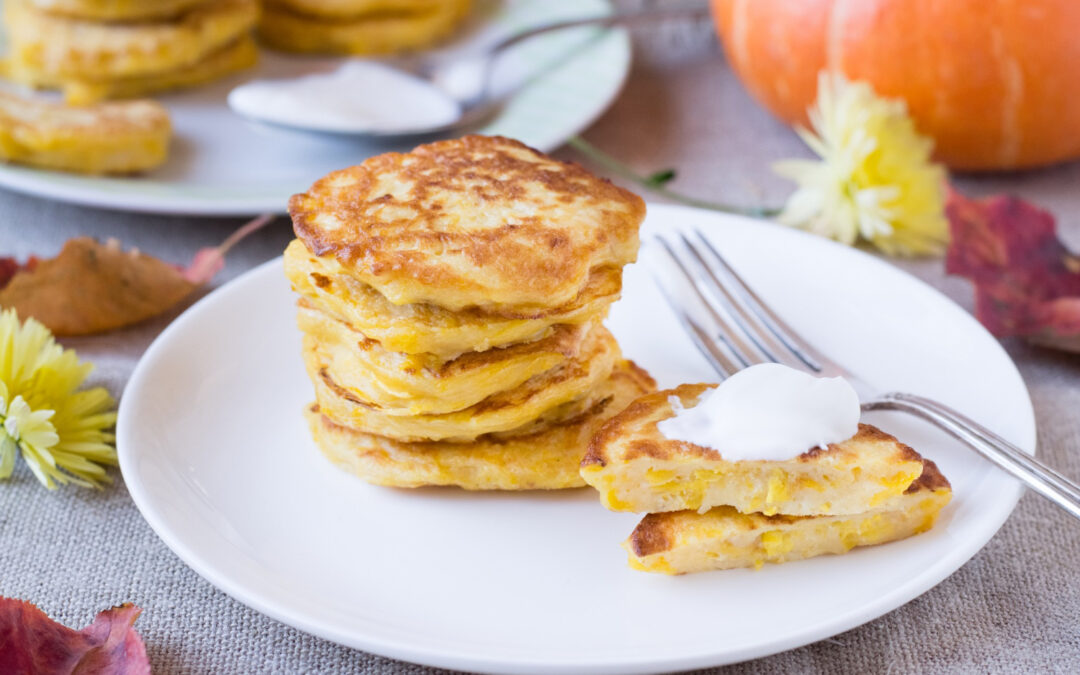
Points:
x=452 y=301
x=706 y=512
x=358 y=26
x=97 y=49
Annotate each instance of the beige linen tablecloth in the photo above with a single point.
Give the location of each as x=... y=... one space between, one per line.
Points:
x=1014 y=608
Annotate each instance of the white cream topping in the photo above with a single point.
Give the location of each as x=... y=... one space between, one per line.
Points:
x=768 y=412
x=358 y=97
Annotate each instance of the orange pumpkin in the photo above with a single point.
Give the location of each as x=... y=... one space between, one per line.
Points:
x=995 y=83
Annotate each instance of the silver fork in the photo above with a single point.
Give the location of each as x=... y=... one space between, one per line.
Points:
x=735 y=329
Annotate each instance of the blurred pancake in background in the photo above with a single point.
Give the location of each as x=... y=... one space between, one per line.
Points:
x=91 y=59
x=358 y=27
x=121 y=137
x=116 y=10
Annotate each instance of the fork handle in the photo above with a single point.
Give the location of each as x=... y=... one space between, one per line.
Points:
x=693 y=11
x=1032 y=472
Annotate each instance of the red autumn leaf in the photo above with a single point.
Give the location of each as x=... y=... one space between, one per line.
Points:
x=1026 y=282
x=31 y=642
x=92 y=287
x=10 y=266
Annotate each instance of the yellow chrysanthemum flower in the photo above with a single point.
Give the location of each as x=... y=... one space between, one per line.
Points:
x=60 y=431
x=874 y=181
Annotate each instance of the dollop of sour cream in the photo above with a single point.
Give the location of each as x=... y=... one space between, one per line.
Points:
x=358 y=97
x=768 y=412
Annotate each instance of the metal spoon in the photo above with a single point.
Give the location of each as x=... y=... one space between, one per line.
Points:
x=468 y=79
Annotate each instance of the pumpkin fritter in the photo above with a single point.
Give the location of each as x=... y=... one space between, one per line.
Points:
x=284 y=27
x=723 y=538
x=233 y=58
x=571 y=383
x=636 y=468
x=63 y=47
x=358 y=8
x=477 y=222
x=116 y=10
x=451 y=302
x=545 y=459
x=416 y=384
x=429 y=329
x=106 y=138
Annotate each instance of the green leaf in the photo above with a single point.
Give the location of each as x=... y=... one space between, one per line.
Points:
x=661 y=178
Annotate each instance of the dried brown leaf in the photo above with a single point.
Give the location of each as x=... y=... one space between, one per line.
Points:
x=93 y=287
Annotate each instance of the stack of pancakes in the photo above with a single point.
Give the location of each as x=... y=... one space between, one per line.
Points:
x=98 y=49
x=706 y=512
x=451 y=302
x=358 y=26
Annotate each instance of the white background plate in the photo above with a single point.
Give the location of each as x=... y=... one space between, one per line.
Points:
x=221 y=164
x=217 y=457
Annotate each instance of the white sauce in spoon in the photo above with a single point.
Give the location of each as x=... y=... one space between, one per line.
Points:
x=359 y=97
x=768 y=412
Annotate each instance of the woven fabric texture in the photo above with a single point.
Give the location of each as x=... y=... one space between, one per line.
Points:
x=1013 y=608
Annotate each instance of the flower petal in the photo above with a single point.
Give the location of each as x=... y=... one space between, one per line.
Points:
x=874 y=180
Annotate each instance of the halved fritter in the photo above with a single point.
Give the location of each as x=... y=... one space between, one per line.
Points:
x=381 y=32
x=116 y=10
x=107 y=138
x=232 y=58
x=636 y=468
x=64 y=47
x=546 y=459
x=430 y=329
x=414 y=384
x=722 y=538
x=477 y=222
x=558 y=392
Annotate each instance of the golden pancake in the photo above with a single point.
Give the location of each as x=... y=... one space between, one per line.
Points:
x=106 y=138
x=351 y=9
x=722 y=538
x=477 y=222
x=546 y=459
x=67 y=48
x=116 y=10
x=535 y=400
x=636 y=468
x=429 y=329
x=377 y=33
x=233 y=58
x=414 y=384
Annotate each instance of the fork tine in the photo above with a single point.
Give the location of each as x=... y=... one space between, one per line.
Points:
x=729 y=334
x=749 y=325
x=718 y=358
x=767 y=318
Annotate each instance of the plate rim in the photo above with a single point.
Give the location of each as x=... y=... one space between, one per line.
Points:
x=440 y=658
x=115 y=193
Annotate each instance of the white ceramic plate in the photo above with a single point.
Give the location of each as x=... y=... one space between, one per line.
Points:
x=217 y=457
x=221 y=164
